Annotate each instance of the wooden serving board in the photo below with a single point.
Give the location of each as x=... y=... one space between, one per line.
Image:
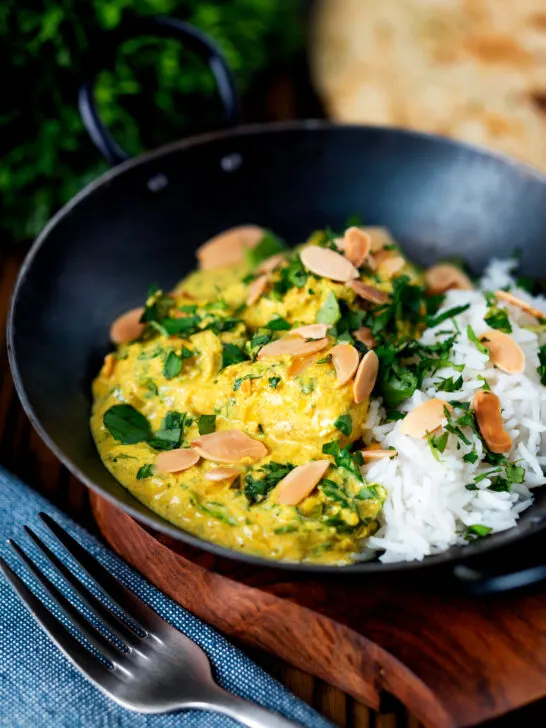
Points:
x=453 y=660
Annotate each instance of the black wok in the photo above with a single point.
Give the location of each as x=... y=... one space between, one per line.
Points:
x=141 y=222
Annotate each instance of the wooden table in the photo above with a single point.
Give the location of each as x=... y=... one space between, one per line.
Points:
x=23 y=453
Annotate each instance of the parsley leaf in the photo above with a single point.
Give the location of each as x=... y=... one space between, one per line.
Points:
x=206 y=424
x=343 y=458
x=293 y=275
x=497 y=318
x=329 y=312
x=126 y=424
x=273 y=382
x=450 y=384
x=344 y=424
x=269 y=245
x=470 y=457
x=278 y=324
x=231 y=354
x=145 y=471
x=169 y=436
x=260 y=481
x=474 y=339
x=437 y=443
x=172 y=366
x=187 y=325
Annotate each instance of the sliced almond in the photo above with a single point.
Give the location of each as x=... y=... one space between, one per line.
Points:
x=365 y=336
x=173 y=461
x=487 y=409
x=269 y=264
x=504 y=352
x=219 y=474
x=345 y=358
x=357 y=245
x=392 y=265
x=291 y=346
x=369 y=293
x=379 y=237
x=298 y=366
x=229 y=446
x=425 y=418
x=445 y=277
x=301 y=481
x=376 y=453
x=311 y=331
x=523 y=305
x=127 y=327
x=257 y=289
x=328 y=264
x=108 y=366
x=366 y=374
x=228 y=248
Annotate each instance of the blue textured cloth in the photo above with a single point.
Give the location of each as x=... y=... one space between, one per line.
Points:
x=39 y=688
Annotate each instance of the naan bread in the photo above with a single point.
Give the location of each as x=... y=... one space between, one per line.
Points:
x=470 y=69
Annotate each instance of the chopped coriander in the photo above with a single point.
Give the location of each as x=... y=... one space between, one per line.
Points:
x=309 y=386
x=329 y=312
x=289 y=528
x=474 y=339
x=470 y=457
x=450 y=384
x=259 y=340
x=269 y=245
x=188 y=308
x=515 y=473
x=260 y=481
x=497 y=318
x=273 y=382
x=145 y=471
x=432 y=321
x=477 y=531
x=231 y=354
x=485 y=383
x=206 y=424
x=397 y=384
x=278 y=324
x=437 y=443
x=541 y=369
x=343 y=458
x=324 y=359
x=394 y=415
x=172 y=366
x=126 y=424
x=151 y=386
x=344 y=424
x=169 y=437
x=455 y=426
x=238 y=382
x=292 y=275
x=187 y=325
x=367 y=492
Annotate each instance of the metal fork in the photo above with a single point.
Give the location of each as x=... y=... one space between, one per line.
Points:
x=152 y=667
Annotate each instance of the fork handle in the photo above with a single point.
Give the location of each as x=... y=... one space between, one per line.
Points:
x=247 y=713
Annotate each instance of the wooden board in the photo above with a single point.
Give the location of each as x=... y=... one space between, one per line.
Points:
x=451 y=659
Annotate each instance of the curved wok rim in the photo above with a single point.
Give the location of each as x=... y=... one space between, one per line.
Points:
x=452 y=556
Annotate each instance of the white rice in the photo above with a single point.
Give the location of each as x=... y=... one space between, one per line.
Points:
x=428 y=508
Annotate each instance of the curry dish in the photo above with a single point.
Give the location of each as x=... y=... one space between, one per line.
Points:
x=234 y=405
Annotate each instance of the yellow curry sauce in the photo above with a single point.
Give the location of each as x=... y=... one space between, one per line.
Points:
x=194 y=369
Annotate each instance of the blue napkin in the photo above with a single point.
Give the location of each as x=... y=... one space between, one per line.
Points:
x=39 y=688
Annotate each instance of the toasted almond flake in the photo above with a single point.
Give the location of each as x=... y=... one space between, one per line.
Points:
x=369 y=293
x=392 y=265
x=173 y=461
x=311 y=331
x=219 y=474
x=365 y=336
x=108 y=366
x=328 y=264
x=228 y=248
x=291 y=346
x=376 y=453
x=298 y=366
x=269 y=264
x=229 y=446
x=366 y=374
x=523 y=305
x=426 y=418
x=504 y=352
x=379 y=237
x=345 y=358
x=301 y=481
x=487 y=409
x=445 y=277
x=357 y=245
x=127 y=327
x=257 y=289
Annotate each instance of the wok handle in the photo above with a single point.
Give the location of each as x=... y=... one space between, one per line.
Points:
x=164 y=27
x=479 y=582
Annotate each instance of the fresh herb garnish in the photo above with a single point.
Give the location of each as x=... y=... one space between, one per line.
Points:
x=344 y=424
x=329 y=312
x=231 y=354
x=485 y=384
x=432 y=321
x=278 y=324
x=172 y=366
x=470 y=457
x=126 y=424
x=454 y=426
x=344 y=459
x=497 y=318
x=206 y=424
x=437 y=443
x=187 y=325
x=541 y=369
x=273 y=382
x=292 y=275
x=260 y=481
x=477 y=531
x=269 y=245
x=239 y=380
x=477 y=343
x=450 y=384
x=145 y=471
x=169 y=437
